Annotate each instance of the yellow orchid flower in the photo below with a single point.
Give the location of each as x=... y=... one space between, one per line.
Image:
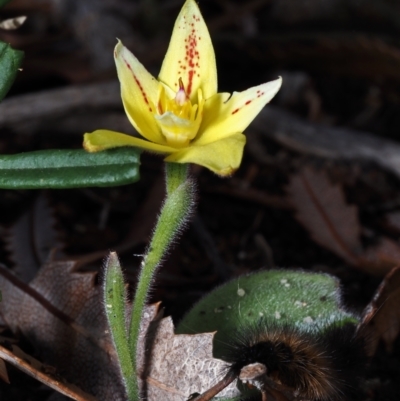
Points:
x=181 y=114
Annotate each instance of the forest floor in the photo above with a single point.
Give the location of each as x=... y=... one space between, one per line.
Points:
x=330 y=134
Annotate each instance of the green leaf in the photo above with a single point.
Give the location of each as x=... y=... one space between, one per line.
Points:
x=4 y=2
x=10 y=60
x=306 y=300
x=69 y=169
x=115 y=302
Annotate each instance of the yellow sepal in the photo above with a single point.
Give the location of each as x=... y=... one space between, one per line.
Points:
x=104 y=139
x=223 y=157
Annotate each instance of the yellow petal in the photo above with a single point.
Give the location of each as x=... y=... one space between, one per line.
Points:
x=104 y=139
x=223 y=117
x=139 y=91
x=190 y=55
x=222 y=157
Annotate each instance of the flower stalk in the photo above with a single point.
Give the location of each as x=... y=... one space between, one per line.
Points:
x=175 y=211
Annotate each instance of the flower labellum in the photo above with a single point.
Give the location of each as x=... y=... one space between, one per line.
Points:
x=181 y=114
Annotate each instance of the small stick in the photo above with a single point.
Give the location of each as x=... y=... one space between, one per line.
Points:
x=210 y=393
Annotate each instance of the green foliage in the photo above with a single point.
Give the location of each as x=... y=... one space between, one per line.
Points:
x=306 y=300
x=69 y=169
x=10 y=60
x=114 y=300
x=4 y=2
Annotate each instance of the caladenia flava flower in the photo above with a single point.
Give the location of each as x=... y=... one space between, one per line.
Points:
x=181 y=114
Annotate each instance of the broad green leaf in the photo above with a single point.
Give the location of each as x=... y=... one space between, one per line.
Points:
x=69 y=169
x=10 y=60
x=306 y=300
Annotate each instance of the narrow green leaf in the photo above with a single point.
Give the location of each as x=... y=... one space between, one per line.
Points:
x=69 y=169
x=10 y=60
x=115 y=302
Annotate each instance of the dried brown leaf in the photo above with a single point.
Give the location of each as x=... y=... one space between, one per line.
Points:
x=381 y=318
x=12 y=23
x=321 y=207
x=381 y=258
x=31 y=239
x=41 y=372
x=180 y=365
x=60 y=312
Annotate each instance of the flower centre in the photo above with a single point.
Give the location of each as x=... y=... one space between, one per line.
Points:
x=178 y=118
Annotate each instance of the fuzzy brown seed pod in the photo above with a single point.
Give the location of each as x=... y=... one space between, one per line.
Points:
x=323 y=365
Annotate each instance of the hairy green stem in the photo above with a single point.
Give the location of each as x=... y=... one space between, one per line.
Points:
x=175 y=175
x=175 y=211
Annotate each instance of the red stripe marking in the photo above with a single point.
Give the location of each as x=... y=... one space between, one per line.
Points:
x=191 y=73
x=138 y=83
x=246 y=103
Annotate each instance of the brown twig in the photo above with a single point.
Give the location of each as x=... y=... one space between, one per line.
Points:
x=213 y=391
